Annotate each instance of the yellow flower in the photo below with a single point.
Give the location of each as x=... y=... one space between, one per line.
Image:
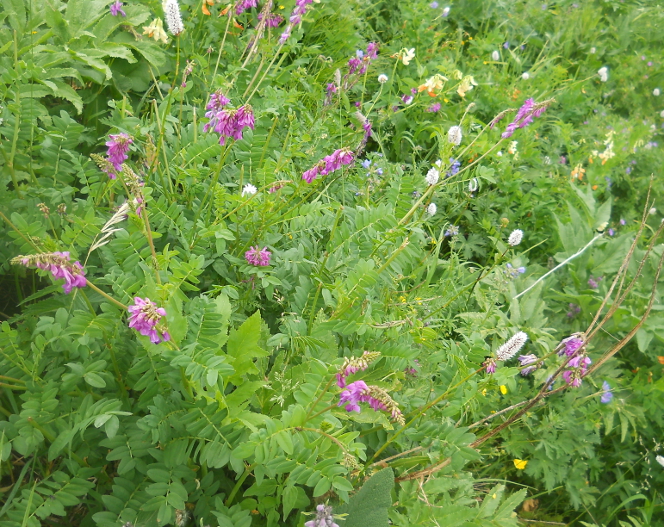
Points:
x=503 y=389
x=520 y=463
x=466 y=85
x=156 y=30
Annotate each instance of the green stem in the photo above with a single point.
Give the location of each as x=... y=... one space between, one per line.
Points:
x=239 y=483
x=108 y=297
x=19 y=232
x=313 y=406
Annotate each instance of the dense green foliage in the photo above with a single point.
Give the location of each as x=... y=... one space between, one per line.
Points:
x=235 y=421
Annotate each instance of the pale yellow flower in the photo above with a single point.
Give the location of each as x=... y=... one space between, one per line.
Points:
x=406 y=55
x=466 y=85
x=156 y=30
x=433 y=84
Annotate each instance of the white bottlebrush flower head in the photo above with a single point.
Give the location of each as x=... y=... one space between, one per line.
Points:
x=603 y=73
x=382 y=78
x=173 y=17
x=473 y=185
x=431 y=209
x=512 y=346
x=432 y=176
x=515 y=237
x=446 y=11
x=661 y=114
x=593 y=50
x=660 y=460
x=656 y=92
x=454 y=135
x=495 y=55
x=525 y=76
x=249 y=189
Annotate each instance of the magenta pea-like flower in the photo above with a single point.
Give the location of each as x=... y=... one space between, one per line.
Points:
x=59 y=264
x=145 y=317
x=259 y=258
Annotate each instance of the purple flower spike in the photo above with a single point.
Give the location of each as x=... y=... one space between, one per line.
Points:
x=118 y=146
x=59 y=265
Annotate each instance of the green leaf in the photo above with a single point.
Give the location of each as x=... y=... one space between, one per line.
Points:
x=243 y=345
x=368 y=508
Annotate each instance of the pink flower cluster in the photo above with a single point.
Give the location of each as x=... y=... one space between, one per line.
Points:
x=524 y=116
x=243 y=5
x=259 y=258
x=358 y=392
x=226 y=122
x=118 y=146
x=579 y=368
x=579 y=362
x=328 y=164
x=60 y=266
x=295 y=18
x=359 y=64
x=273 y=19
x=145 y=317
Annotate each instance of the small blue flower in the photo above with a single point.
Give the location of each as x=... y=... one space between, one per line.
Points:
x=379 y=171
x=607 y=395
x=433 y=5
x=506 y=45
x=366 y=163
x=359 y=53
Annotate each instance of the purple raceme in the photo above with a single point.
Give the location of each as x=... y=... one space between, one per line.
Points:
x=334 y=161
x=434 y=108
x=299 y=11
x=358 y=392
x=145 y=317
x=355 y=364
x=116 y=9
x=593 y=281
x=530 y=363
x=524 y=116
x=228 y=123
x=59 y=264
x=259 y=258
x=359 y=64
x=570 y=346
x=118 y=146
x=273 y=19
x=578 y=368
x=243 y=5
